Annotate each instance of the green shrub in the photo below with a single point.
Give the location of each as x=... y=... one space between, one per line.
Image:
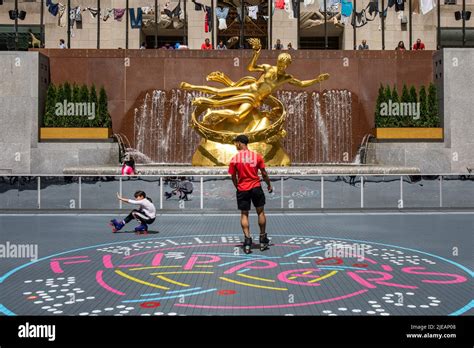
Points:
x=423 y=109
x=414 y=99
x=70 y=122
x=379 y=120
x=404 y=121
x=385 y=94
x=76 y=94
x=84 y=98
x=428 y=107
x=50 y=107
x=59 y=121
x=394 y=121
x=103 y=112
x=67 y=92
x=432 y=107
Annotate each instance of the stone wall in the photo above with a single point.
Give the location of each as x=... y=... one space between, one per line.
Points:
x=454 y=68
x=429 y=157
x=20 y=100
x=23 y=84
x=196 y=33
x=458 y=106
x=284 y=28
x=53 y=157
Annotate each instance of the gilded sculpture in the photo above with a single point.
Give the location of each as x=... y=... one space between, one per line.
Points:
x=246 y=106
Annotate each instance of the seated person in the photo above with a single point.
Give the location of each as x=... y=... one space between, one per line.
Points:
x=184 y=188
x=128 y=166
x=146 y=213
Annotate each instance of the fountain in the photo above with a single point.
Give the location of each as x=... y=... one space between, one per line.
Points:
x=197 y=124
x=246 y=106
x=162 y=133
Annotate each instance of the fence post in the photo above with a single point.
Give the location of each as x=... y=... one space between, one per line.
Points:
x=120 y=190
x=401 y=193
x=39 y=192
x=80 y=192
x=161 y=192
x=440 y=191
x=202 y=192
x=282 y=203
x=322 y=192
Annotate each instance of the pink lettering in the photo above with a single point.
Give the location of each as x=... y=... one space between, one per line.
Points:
x=457 y=278
x=194 y=260
x=252 y=265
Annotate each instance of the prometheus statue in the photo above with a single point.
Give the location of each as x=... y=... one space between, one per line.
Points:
x=236 y=109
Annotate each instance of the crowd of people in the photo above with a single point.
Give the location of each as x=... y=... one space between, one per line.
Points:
x=417 y=46
x=207 y=45
x=222 y=46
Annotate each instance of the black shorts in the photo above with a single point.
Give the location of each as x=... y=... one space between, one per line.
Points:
x=255 y=195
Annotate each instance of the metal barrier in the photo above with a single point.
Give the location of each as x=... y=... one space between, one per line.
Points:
x=217 y=193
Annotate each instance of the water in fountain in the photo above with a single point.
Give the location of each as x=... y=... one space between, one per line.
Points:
x=296 y=105
x=161 y=126
x=139 y=157
x=338 y=121
x=321 y=142
x=148 y=124
x=319 y=126
x=186 y=139
x=326 y=135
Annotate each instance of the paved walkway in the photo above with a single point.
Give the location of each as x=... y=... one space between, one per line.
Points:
x=318 y=264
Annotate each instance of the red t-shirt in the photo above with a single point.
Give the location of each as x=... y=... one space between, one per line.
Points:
x=246 y=164
x=206 y=47
x=419 y=47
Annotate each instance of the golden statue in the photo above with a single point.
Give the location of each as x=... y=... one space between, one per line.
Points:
x=235 y=110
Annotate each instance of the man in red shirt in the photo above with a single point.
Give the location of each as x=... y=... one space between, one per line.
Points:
x=244 y=168
x=206 y=45
x=419 y=45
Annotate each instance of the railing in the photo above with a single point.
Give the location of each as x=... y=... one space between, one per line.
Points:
x=217 y=193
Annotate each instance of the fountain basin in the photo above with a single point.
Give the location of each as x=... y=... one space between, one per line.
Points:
x=180 y=170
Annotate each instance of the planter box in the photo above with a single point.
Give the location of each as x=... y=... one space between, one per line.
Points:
x=409 y=133
x=58 y=133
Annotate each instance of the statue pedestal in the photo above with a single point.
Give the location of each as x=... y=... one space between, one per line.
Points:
x=210 y=154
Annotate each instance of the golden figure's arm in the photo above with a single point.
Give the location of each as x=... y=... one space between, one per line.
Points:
x=257 y=47
x=308 y=83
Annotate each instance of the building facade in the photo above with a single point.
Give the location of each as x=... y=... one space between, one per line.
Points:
x=306 y=24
